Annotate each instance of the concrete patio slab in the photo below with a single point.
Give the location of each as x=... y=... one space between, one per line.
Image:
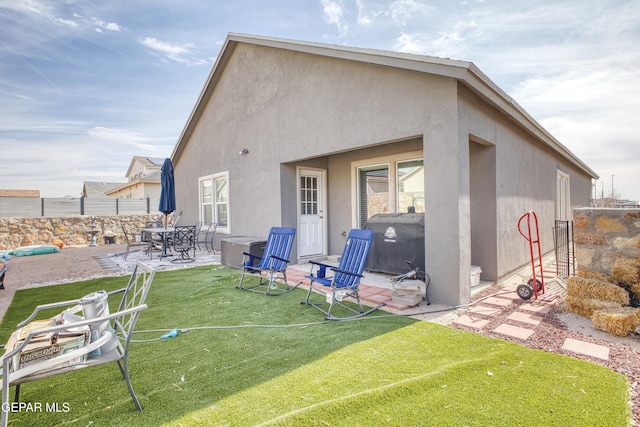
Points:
x=500 y=302
x=485 y=311
x=513 y=331
x=528 y=318
x=470 y=322
x=586 y=348
x=536 y=308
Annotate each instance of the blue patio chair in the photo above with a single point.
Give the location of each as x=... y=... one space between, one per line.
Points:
x=345 y=280
x=272 y=265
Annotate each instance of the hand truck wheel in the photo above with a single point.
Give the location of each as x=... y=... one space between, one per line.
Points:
x=538 y=284
x=525 y=291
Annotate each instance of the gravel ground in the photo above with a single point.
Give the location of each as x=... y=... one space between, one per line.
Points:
x=78 y=263
x=71 y=264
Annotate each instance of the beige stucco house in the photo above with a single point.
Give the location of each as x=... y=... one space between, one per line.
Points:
x=143 y=179
x=298 y=134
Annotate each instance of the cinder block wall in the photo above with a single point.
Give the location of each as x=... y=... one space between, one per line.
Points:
x=602 y=235
x=17 y=232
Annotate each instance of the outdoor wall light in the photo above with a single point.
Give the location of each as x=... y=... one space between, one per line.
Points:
x=243 y=152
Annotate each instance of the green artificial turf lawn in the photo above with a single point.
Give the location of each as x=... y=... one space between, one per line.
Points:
x=380 y=370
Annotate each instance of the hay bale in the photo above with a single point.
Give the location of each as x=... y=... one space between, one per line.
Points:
x=596 y=275
x=626 y=270
x=620 y=322
x=585 y=307
x=595 y=289
x=635 y=289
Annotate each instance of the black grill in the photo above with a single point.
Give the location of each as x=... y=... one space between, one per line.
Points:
x=398 y=238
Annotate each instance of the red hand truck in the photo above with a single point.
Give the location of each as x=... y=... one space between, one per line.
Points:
x=535 y=285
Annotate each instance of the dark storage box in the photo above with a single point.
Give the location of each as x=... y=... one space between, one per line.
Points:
x=233 y=247
x=398 y=238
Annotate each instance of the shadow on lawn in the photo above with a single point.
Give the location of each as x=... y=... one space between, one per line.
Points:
x=219 y=351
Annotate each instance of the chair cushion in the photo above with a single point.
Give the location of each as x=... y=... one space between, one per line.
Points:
x=34 y=250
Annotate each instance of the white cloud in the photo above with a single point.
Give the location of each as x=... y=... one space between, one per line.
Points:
x=364 y=17
x=39 y=9
x=110 y=26
x=403 y=12
x=174 y=52
x=124 y=136
x=333 y=13
x=445 y=45
x=29 y=7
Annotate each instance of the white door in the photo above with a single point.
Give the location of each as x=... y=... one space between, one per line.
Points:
x=311 y=212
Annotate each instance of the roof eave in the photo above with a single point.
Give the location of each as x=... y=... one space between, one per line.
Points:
x=463 y=71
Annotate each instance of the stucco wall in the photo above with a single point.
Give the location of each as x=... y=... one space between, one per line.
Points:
x=602 y=235
x=289 y=108
x=525 y=177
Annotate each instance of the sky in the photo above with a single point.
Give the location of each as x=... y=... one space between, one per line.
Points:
x=86 y=85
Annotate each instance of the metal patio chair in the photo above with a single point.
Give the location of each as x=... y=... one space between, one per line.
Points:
x=206 y=237
x=136 y=240
x=345 y=280
x=106 y=337
x=184 y=241
x=271 y=267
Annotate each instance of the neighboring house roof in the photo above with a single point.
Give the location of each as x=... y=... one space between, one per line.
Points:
x=19 y=193
x=96 y=190
x=147 y=162
x=464 y=72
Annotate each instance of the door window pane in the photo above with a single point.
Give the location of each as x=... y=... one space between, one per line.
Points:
x=308 y=195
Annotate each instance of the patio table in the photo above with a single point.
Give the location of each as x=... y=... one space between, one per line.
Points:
x=164 y=232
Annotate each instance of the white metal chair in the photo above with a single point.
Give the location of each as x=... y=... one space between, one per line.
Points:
x=110 y=336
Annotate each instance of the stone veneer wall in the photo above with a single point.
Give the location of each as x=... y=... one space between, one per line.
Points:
x=602 y=235
x=17 y=232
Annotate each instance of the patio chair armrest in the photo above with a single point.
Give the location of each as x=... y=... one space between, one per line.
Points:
x=350 y=273
x=251 y=255
x=251 y=260
x=319 y=264
x=116 y=292
x=46 y=307
x=280 y=258
x=322 y=269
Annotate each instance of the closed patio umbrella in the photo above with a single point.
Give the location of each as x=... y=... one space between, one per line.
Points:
x=167 y=192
